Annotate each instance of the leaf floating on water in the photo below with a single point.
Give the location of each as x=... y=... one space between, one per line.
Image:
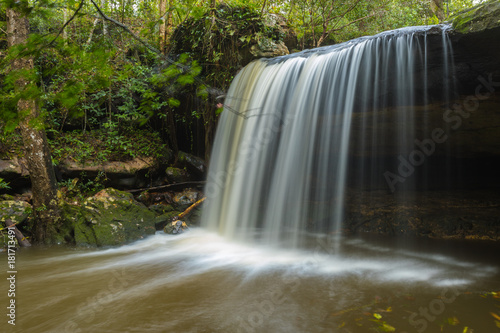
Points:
x=387 y=328
x=495 y=315
x=453 y=321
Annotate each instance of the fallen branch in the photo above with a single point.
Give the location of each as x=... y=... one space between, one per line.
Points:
x=189 y=210
x=19 y=236
x=176 y=225
x=162 y=187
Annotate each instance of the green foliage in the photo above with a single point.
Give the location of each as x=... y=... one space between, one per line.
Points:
x=11 y=145
x=80 y=189
x=100 y=91
x=4 y=185
x=99 y=146
x=215 y=39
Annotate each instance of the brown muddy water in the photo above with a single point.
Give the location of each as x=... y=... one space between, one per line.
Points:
x=199 y=282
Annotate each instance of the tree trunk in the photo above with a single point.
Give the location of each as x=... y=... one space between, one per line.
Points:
x=170 y=26
x=437 y=7
x=105 y=32
x=163 y=25
x=36 y=148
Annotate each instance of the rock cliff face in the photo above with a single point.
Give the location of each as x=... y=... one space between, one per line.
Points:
x=454 y=193
x=468 y=118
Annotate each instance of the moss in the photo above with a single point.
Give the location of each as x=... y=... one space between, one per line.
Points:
x=17 y=211
x=112 y=217
x=160 y=209
x=481 y=17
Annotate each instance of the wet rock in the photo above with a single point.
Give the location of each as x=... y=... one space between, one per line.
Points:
x=113 y=217
x=176 y=227
x=176 y=175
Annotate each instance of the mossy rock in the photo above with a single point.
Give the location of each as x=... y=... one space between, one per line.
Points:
x=112 y=217
x=176 y=175
x=17 y=211
x=164 y=219
x=479 y=18
x=160 y=209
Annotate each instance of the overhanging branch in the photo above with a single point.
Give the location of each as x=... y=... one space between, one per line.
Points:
x=67 y=22
x=124 y=27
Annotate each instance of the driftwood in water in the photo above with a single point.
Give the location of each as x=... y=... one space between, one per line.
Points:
x=19 y=235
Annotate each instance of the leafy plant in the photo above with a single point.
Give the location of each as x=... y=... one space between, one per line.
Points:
x=4 y=185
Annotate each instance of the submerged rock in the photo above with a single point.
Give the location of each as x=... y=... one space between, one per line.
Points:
x=113 y=217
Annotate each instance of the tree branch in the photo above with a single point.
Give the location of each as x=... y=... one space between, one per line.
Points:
x=124 y=27
x=67 y=22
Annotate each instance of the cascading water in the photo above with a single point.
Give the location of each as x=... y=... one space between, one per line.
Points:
x=281 y=156
x=299 y=138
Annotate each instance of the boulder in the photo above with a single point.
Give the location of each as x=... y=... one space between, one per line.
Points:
x=16 y=211
x=15 y=173
x=186 y=198
x=193 y=164
x=123 y=175
x=176 y=227
x=113 y=217
x=482 y=17
x=176 y=175
x=268 y=48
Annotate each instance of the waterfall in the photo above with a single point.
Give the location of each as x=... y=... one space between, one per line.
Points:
x=283 y=150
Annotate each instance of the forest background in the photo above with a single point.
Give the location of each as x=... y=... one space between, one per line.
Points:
x=113 y=80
